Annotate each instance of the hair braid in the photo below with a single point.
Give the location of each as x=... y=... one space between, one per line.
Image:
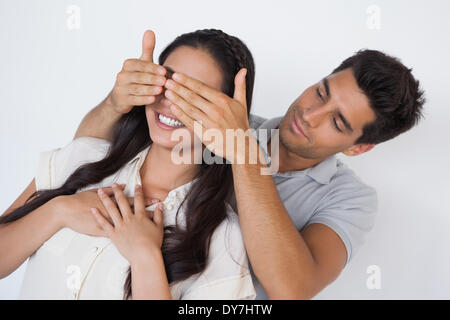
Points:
x=236 y=52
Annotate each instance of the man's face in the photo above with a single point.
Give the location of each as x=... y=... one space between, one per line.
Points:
x=327 y=118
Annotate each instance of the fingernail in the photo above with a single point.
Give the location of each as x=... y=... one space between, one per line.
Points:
x=169 y=84
x=160 y=206
x=115 y=185
x=93 y=211
x=173 y=108
x=138 y=187
x=161 y=80
x=100 y=191
x=154 y=201
x=162 y=71
x=176 y=76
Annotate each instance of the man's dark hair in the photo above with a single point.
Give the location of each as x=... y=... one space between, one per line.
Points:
x=394 y=94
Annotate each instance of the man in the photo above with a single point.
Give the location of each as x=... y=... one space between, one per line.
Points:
x=303 y=224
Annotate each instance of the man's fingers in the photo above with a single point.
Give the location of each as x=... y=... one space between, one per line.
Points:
x=193 y=112
x=198 y=87
x=144 y=90
x=148 y=45
x=140 y=100
x=191 y=97
x=137 y=65
x=240 y=87
x=140 y=77
x=182 y=116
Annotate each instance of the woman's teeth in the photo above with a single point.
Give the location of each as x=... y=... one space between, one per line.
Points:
x=169 y=121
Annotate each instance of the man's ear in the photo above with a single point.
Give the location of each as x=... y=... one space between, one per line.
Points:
x=358 y=149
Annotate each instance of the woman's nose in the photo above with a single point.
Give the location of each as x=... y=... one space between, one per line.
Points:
x=165 y=102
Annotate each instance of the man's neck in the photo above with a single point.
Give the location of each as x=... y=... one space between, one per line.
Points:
x=289 y=161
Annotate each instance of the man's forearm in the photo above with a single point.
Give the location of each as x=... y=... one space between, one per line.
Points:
x=279 y=256
x=99 y=122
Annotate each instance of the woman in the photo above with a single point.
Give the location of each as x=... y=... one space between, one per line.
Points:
x=201 y=255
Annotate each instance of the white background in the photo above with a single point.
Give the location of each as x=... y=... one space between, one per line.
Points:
x=51 y=76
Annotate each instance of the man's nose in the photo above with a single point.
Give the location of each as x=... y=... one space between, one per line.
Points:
x=315 y=115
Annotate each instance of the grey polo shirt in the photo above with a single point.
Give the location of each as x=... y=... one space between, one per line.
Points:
x=328 y=193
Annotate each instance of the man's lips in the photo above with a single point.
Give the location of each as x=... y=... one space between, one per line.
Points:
x=297 y=127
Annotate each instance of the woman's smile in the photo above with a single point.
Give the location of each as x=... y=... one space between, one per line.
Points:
x=167 y=122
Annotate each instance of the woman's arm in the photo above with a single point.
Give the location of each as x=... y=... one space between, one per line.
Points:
x=21 y=238
x=149 y=278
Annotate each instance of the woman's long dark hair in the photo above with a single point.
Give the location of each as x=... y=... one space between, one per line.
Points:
x=186 y=250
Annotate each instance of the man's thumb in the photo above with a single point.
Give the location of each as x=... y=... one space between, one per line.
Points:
x=240 y=88
x=148 y=45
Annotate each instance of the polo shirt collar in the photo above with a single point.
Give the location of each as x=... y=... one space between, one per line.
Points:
x=324 y=170
x=321 y=172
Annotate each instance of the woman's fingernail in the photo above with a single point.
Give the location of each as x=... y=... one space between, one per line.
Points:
x=115 y=185
x=160 y=206
x=93 y=211
x=100 y=191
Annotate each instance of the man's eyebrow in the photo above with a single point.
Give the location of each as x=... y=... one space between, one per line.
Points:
x=327 y=87
x=340 y=115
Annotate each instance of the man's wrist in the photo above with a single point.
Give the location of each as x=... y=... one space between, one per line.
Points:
x=108 y=107
x=253 y=154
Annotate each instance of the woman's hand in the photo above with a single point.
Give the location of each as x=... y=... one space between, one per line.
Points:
x=139 y=81
x=73 y=211
x=135 y=235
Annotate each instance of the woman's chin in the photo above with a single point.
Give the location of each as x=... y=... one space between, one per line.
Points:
x=169 y=139
x=164 y=143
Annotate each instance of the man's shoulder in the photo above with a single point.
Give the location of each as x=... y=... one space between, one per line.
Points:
x=347 y=185
x=331 y=182
x=256 y=121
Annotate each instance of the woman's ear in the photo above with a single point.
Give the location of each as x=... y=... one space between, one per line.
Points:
x=358 y=149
